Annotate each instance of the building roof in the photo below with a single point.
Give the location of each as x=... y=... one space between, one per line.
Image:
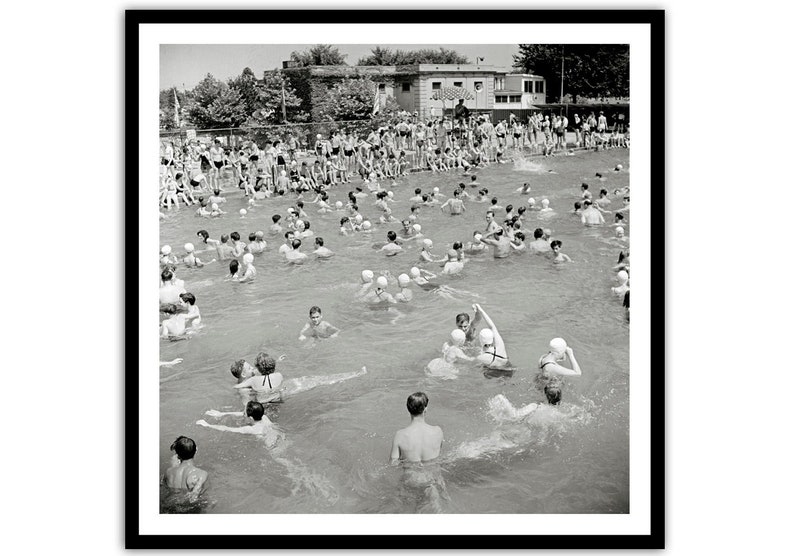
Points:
x=509 y=92
x=375 y=71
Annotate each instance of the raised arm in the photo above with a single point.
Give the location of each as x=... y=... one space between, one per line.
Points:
x=498 y=343
x=565 y=371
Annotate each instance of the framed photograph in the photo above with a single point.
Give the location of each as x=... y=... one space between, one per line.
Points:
x=382 y=289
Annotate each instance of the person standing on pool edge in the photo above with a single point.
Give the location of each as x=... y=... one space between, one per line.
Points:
x=418 y=442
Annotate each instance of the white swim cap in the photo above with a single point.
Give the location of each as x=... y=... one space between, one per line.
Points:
x=403 y=279
x=558 y=345
x=435 y=190
x=338 y=204
x=214 y=206
x=166 y=250
x=299 y=223
x=367 y=275
x=382 y=282
x=359 y=218
x=390 y=194
x=260 y=234
x=428 y=243
x=478 y=237
x=243 y=212
x=366 y=225
x=531 y=201
x=619 y=166
x=545 y=202
x=189 y=247
x=623 y=276
x=619 y=230
x=458 y=336
x=248 y=258
x=414 y=272
x=319 y=136
x=417 y=227
x=486 y=336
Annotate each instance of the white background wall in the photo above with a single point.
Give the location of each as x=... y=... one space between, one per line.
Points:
x=729 y=374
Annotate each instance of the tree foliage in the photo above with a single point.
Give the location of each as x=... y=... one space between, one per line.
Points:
x=387 y=57
x=319 y=55
x=168 y=106
x=591 y=70
x=351 y=99
x=268 y=108
x=216 y=104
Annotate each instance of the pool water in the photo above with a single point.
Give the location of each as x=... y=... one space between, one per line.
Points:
x=333 y=457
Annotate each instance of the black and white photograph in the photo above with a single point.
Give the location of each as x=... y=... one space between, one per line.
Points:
x=394 y=276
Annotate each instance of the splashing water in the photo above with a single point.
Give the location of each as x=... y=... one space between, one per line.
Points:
x=521 y=164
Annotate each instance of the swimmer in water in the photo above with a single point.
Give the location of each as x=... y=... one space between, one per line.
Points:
x=317 y=327
x=379 y=296
x=176 y=326
x=623 y=261
x=559 y=256
x=405 y=295
x=544 y=204
x=367 y=276
x=452 y=351
x=418 y=442
x=454 y=262
x=493 y=353
x=591 y=216
x=425 y=256
x=166 y=257
x=183 y=474
x=500 y=242
x=421 y=277
x=266 y=383
x=294 y=256
x=234 y=267
x=476 y=246
x=620 y=234
x=249 y=271
x=321 y=251
x=623 y=283
x=468 y=325
x=551 y=370
x=261 y=425
x=392 y=246
x=169 y=292
x=524 y=189
x=517 y=243
x=256 y=243
x=456 y=206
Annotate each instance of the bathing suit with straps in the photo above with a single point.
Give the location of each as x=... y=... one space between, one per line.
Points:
x=495 y=355
x=268 y=381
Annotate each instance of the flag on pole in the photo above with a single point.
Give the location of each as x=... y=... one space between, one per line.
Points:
x=376 y=102
x=176 y=108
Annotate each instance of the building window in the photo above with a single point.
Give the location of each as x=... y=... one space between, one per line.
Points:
x=500 y=99
x=406 y=87
x=436 y=85
x=457 y=83
x=527 y=86
x=515 y=98
x=381 y=87
x=539 y=86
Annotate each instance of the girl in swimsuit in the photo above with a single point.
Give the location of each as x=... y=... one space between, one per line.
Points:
x=493 y=354
x=550 y=371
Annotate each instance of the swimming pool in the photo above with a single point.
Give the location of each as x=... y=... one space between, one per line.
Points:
x=337 y=437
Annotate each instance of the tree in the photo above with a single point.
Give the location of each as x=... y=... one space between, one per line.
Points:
x=591 y=70
x=319 y=55
x=246 y=85
x=351 y=99
x=216 y=105
x=269 y=100
x=387 y=57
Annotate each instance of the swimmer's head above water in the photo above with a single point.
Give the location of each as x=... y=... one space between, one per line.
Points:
x=248 y=258
x=166 y=250
x=486 y=337
x=403 y=280
x=558 y=346
x=623 y=277
x=367 y=276
x=382 y=282
x=264 y=363
x=427 y=243
x=417 y=403
x=189 y=247
x=184 y=447
x=458 y=337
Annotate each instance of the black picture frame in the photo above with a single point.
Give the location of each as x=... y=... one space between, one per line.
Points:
x=655 y=19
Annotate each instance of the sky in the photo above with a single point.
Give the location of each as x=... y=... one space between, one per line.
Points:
x=184 y=65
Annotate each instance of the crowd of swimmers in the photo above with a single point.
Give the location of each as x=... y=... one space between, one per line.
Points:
x=475 y=338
